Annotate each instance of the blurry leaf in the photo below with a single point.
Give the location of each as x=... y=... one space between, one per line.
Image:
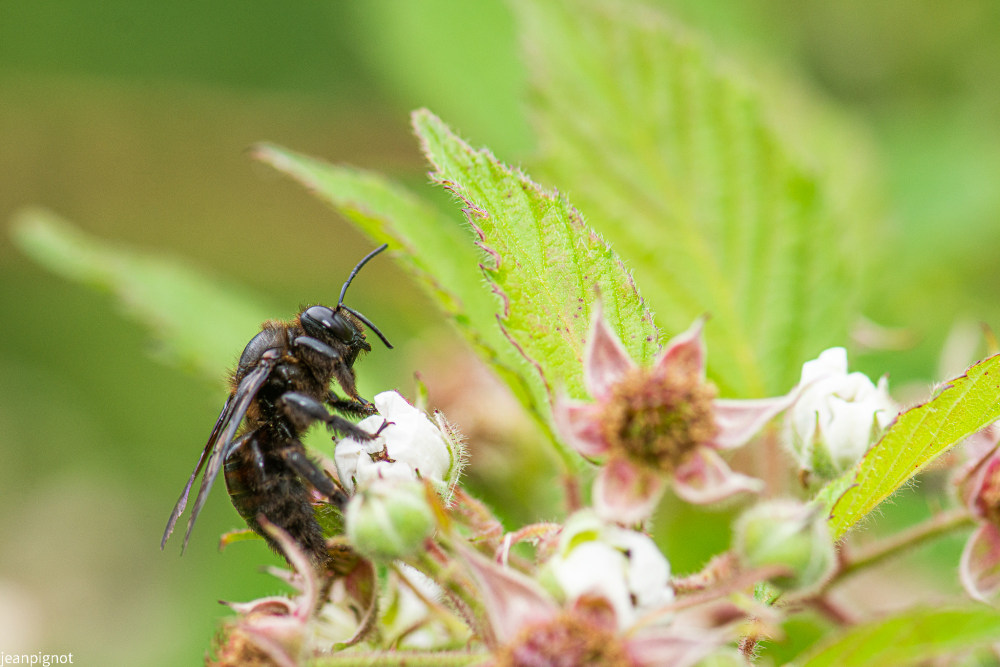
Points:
x=544 y=261
x=202 y=324
x=911 y=637
x=394 y=38
x=234 y=536
x=915 y=438
x=439 y=254
x=672 y=155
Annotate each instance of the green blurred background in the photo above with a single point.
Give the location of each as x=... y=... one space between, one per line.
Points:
x=133 y=120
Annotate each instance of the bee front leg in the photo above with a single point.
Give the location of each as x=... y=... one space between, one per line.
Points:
x=359 y=407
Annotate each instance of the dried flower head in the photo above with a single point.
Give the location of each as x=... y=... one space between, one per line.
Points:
x=664 y=421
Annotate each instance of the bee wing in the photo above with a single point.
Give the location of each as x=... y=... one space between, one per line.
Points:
x=220 y=442
x=224 y=416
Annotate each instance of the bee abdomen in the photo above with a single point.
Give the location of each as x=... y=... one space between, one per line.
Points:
x=260 y=483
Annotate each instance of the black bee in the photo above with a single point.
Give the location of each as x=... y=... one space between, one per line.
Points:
x=280 y=387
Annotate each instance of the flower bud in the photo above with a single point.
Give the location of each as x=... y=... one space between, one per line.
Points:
x=837 y=417
x=408 y=445
x=389 y=519
x=788 y=533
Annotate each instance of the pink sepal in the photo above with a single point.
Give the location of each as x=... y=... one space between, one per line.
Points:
x=685 y=350
x=580 y=424
x=605 y=359
x=625 y=493
x=667 y=648
x=512 y=600
x=741 y=419
x=979 y=569
x=706 y=478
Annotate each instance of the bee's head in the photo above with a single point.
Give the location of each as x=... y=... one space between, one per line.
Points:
x=334 y=325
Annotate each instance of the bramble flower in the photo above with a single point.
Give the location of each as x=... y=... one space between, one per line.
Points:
x=407 y=446
x=528 y=627
x=622 y=566
x=274 y=630
x=649 y=424
x=979 y=489
x=837 y=417
x=407 y=617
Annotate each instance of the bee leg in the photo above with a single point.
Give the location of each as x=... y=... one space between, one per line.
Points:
x=361 y=408
x=310 y=472
x=304 y=410
x=342 y=371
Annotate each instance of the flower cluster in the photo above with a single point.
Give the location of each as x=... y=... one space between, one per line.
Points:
x=422 y=565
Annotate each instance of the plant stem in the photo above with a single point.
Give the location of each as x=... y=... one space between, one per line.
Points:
x=737 y=582
x=831 y=610
x=571 y=483
x=874 y=554
x=937 y=526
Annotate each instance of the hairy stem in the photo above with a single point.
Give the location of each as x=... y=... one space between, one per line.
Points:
x=937 y=526
x=874 y=554
x=737 y=582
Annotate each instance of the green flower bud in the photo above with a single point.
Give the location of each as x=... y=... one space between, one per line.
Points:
x=785 y=532
x=389 y=519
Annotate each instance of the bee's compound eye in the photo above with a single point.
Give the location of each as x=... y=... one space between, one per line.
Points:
x=322 y=322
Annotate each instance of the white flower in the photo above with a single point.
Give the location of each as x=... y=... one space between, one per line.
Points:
x=409 y=445
x=838 y=415
x=405 y=619
x=622 y=566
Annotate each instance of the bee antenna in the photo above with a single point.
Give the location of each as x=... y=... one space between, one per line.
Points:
x=367 y=323
x=354 y=272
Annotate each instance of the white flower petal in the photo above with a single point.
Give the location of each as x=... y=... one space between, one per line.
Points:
x=648 y=574
x=621 y=565
x=837 y=415
x=596 y=568
x=408 y=443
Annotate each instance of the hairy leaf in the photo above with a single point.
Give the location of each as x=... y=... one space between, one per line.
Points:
x=435 y=249
x=912 y=637
x=915 y=438
x=675 y=158
x=200 y=323
x=543 y=262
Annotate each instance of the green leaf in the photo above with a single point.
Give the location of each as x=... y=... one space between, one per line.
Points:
x=435 y=249
x=674 y=156
x=544 y=261
x=234 y=536
x=915 y=438
x=201 y=324
x=913 y=637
